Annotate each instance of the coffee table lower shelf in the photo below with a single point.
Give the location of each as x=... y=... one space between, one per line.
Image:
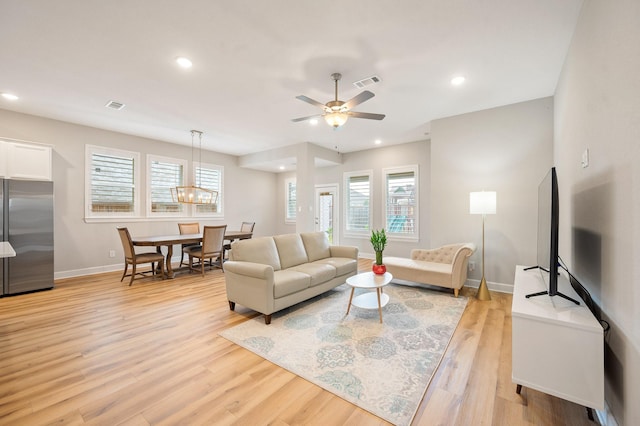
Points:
x=370 y=300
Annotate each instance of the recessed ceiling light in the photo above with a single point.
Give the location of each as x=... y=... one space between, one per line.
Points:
x=281 y=167
x=313 y=122
x=378 y=142
x=457 y=81
x=184 y=62
x=10 y=96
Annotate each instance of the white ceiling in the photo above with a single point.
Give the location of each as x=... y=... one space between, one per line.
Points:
x=66 y=59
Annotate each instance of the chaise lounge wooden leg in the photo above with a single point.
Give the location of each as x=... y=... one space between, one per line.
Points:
x=455 y=292
x=267 y=319
x=232 y=305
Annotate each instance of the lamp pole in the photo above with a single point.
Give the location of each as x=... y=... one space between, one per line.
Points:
x=483 y=290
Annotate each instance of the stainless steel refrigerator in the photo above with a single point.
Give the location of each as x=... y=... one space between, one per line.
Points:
x=26 y=219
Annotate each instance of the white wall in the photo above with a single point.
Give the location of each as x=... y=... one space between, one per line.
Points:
x=597 y=107
x=82 y=248
x=508 y=150
x=414 y=153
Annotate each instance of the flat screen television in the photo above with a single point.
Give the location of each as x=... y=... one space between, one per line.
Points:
x=548 y=231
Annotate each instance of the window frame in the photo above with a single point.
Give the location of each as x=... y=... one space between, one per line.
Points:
x=90 y=150
x=290 y=220
x=220 y=203
x=184 y=208
x=414 y=236
x=347 y=176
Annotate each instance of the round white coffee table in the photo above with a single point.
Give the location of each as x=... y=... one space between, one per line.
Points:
x=369 y=300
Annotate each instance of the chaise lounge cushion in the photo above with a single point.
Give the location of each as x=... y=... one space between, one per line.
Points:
x=290 y=250
x=261 y=250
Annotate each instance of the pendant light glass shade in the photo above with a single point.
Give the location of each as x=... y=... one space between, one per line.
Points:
x=336 y=119
x=194 y=194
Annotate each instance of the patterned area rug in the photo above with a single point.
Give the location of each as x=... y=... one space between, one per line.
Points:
x=382 y=368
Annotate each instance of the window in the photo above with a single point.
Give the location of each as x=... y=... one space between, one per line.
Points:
x=290 y=200
x=358 y=202
x=210 y=176
x=162 y=175
x=111 y=177
x=401 y=201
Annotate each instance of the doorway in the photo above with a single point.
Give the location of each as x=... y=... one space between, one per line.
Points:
x=327 y=204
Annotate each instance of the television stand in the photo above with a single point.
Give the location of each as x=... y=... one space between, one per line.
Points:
x=541 y=293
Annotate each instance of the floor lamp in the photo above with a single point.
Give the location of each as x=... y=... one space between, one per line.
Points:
x=483 y=203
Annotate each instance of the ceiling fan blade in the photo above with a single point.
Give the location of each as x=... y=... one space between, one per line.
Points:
x=310 y=101
x=364 y=96
x=368 y=115
x=295 y=120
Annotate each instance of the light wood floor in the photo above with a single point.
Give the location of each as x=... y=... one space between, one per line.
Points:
x=96 y=351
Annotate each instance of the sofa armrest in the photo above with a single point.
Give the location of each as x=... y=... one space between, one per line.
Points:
x=344 y=251
x=460 y=260
x=250 y=269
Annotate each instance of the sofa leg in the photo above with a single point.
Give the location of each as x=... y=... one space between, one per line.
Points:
x=267 y=319
x=455 y=292
x=232 y=305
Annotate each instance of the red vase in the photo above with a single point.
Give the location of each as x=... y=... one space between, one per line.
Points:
x=379 y=269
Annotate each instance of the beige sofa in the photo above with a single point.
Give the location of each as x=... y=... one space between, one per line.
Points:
x=268 y=274
x=444 y=266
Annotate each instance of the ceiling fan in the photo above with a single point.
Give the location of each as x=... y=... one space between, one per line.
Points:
x=337 y=112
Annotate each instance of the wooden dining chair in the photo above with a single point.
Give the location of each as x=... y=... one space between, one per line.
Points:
x=135 y=259
x=245 y=227
x=212 y=247
x=188 y=228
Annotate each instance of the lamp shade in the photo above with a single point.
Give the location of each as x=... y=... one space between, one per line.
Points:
x=483 y=202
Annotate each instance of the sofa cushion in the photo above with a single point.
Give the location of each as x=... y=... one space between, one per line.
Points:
x=343 y=265
x=258 y=250
x=291 y=250
x=318 y=272
x=287 y=281
x=316 y=244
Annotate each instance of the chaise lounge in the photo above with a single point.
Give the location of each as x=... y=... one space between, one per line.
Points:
x=444 y=266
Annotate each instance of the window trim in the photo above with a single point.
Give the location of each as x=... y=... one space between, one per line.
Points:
x=90 y=150
x=415 y=236
x=186 y=211
x=290 y=220
x=346 y=177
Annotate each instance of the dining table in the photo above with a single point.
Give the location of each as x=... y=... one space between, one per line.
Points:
x=158 y=241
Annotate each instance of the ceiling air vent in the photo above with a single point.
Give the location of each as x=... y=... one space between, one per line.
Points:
x=361 y=84
x=114 y=105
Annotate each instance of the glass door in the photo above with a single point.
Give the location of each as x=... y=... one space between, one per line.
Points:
x=326 y=218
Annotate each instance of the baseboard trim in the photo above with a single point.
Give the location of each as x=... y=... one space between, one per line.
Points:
x=96 y=270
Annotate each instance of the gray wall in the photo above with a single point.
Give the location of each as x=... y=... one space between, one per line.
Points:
x=508 y=150
x=597 y=107
x=83 y=248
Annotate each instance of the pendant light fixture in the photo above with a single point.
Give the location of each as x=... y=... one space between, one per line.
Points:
x=194 y=194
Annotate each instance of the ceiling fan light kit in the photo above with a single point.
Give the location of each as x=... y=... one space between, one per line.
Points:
x=337 y=112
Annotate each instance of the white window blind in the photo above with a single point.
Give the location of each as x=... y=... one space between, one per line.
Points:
x=112 y=184
x=209 y=177
x=290 y=200
x=165 y=175
x=358 y=203
x=401 y=204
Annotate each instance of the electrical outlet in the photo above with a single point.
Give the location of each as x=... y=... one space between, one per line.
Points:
x=112 y=253
x=472 y=266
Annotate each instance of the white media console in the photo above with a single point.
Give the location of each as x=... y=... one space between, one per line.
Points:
x=557 y=346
